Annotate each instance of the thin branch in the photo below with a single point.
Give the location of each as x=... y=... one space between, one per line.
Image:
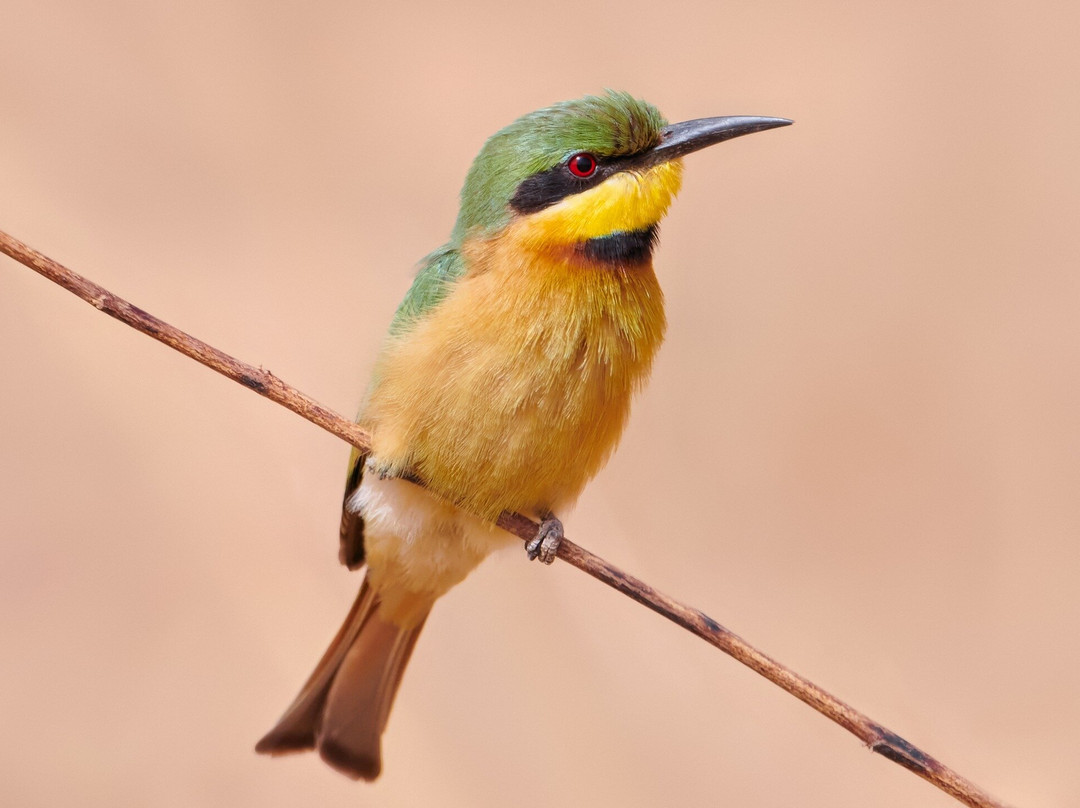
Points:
x=874 y=735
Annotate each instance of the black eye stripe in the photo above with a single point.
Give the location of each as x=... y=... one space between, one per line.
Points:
x=548 y=187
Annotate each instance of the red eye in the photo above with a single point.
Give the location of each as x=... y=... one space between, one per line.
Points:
x=582 y=164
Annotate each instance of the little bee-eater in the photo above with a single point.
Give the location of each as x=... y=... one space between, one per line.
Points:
x=504 y=384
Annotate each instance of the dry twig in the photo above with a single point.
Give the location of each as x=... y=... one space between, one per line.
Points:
x=874 y=735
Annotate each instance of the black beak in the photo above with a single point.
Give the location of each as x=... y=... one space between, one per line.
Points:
x=679 y=139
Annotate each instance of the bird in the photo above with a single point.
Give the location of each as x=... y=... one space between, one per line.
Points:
x=504 y=384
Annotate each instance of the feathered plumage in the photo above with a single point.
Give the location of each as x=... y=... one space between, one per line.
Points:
x=504 y=384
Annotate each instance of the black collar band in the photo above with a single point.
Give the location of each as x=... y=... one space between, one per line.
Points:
x=629 y=248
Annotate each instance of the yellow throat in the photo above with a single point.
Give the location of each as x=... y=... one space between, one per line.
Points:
x=624 y=202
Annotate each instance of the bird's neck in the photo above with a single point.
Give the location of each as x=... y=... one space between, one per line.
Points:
x=603 y=288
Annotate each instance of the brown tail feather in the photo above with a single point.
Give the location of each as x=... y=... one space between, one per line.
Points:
x=343 y=707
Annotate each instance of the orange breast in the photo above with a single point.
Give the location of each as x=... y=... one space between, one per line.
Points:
x=512 y=393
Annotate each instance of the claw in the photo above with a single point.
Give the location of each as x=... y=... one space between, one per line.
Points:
x=545 y=544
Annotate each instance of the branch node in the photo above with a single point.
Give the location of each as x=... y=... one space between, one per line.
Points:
x=900 y=751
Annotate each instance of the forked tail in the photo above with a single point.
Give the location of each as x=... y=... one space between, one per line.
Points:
x=343 y=707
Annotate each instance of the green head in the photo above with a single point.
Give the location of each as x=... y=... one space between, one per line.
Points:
x=606 y=126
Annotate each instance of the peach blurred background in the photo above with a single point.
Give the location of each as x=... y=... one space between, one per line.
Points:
x=860 y=448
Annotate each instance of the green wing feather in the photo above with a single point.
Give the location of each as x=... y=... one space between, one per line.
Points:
x=437 y=273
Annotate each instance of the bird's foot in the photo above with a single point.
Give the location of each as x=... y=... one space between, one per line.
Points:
x=545 y=544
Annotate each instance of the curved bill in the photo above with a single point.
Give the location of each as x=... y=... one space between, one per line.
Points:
x=679 y=139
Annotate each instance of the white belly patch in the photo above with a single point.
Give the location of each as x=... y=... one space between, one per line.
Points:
x=417 y=545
